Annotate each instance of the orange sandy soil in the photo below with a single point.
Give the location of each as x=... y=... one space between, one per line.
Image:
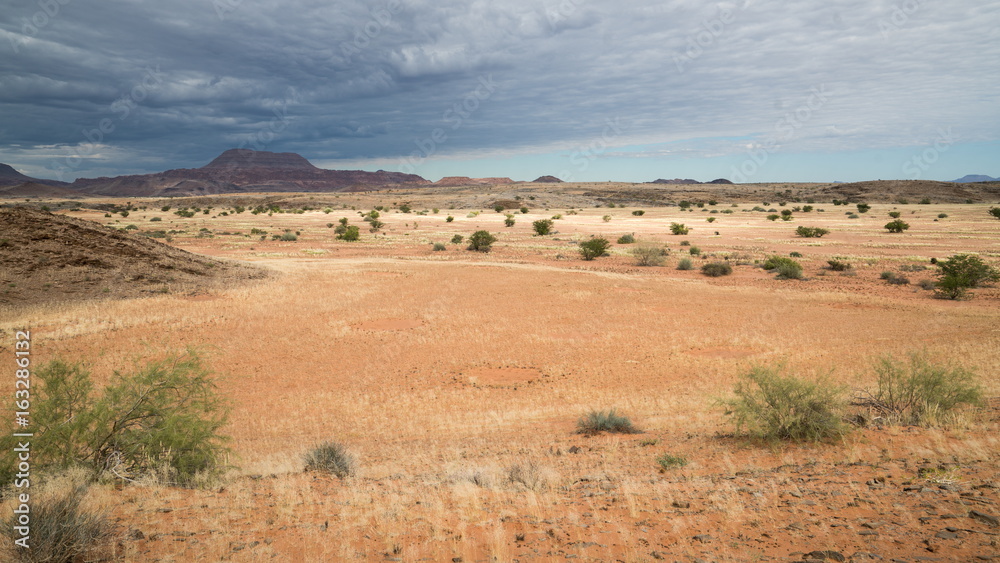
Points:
x=443 y=370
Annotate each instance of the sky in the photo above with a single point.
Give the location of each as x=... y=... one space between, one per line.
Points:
x=586 y=90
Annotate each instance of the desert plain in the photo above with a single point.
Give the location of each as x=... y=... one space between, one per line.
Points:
x=456 y=378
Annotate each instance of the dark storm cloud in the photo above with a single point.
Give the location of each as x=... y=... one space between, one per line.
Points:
x=175 y=83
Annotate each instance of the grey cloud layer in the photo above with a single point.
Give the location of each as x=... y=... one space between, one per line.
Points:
x=354 y=80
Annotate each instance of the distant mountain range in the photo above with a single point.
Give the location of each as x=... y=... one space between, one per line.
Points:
x=234 y=171
x=968 y=179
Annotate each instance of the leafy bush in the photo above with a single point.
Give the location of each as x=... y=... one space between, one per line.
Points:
x=807 y=208
x=481 y=241
x=961 y=272
x=509 y=221
x=156 y=219
x=921 y=392
x=786 y=213
x=351 y=233
x=716 y=269
x=449 y=219
x=542 y=227
x=863 y=207
x=711 y=219
x=894 y=214
x=679 y=229
x=332 y=458
x=838 y=266
x=498 y=208
x=668 y=461
x=811 y=232
x=795 y=254
x=925 y=201
x=647 y=255
x=161 y=421
x=694 y=251
x=786 y=268
x=524 y=210
x=439 y=246
x=61 y=530
x=894 y=278
x=289 y=236
x=606 y=218
x=942 y=215
x=594 y=247
x=638 y=213
x=684 y=264
x=897 y=226
x=773 y=217
x=995 y=211
x=626 y=239
x=596 y=422
x=771 y=406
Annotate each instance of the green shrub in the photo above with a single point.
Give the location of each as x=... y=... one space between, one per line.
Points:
x=449 y=219
x=711 y=219
x=594 y=247
x=773 y=217
x=668 y=462
x=694 y=251
x=596 y=422
x=679 y=229
x=795 y=254
x=838 y=266
x=995 y=211
x=405 y=208
x=332 y=458
x=524 y=210
x=165 y=208
x=684 y=264
x=926 y=284
x=786 y=268
x=457 y=239
x=942 y=215
x=925 y=201
x=716 y=269
x=542 y=227
x=498 y=208
x=811 y=232
x=786 y=213
x=626 y=239
x=772 y=406
x=863 y=207
x=439 y=246
x=921 y=392
x=156 y=219
x=894 y=214
x=897 y=226
x=894 y=278
x=852 y=215
x=162 y=421
x=606 y=218
x=807 y=208
x=481 y=241
x=647 y=254
x=509 y=221
x=61 y=530
x=962 y=272
x=289 y=236
x=351 y=233
x=638 y=213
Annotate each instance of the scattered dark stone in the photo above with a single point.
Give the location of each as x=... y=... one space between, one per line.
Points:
x=574 y=450
x=867 y=533
x=456 y=560
x=873 y=525
x=946 y=535
x=657 y=555
x=137 y=535
x=703 y=538
x=985 y=518
x=681 y=504
x=861 y=556
x=826 y=555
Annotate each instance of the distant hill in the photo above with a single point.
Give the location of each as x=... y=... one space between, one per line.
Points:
x=241 y=171
x=456 y=181
x=547 y=180
x=11 y=177
x=675 y=181
x=968 y=179
x=720 y=181
x=34 y=189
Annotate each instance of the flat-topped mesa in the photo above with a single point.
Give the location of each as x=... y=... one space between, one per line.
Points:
x=246 y=158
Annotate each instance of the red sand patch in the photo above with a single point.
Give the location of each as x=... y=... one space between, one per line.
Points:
x=389 y=324
x=723 y=352
x=501 y=376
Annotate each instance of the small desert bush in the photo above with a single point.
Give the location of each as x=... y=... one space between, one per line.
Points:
x=926 y=284
x=838 y=266
x=62 y=528
x=638 y=213
x=481 y=241
x=290 y=236
x=811 y=232
x=530 y=476
x=449 y=219
x=921 y=392
x=647 y=254
x=457 y=239
x=679 y=229
x=594 y=247
x=894 y=214
x=606 y=218
x=596 y=422
x=694 y=251
x=897 y=226
x=330 y=457
x=509 y=220
x=894 y=279
x=439 y=246
x=961 y=272
x=942 y=215
x=542 y=227
x=350 y=233
x=772 y=406
x=684 y=264
x=668 y=461
x=995 y=211
x=716 y=269
x=626 y=239
x=786 y=268
x=863 y=207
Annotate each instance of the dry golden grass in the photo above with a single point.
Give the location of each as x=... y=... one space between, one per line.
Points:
x=481 y=362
